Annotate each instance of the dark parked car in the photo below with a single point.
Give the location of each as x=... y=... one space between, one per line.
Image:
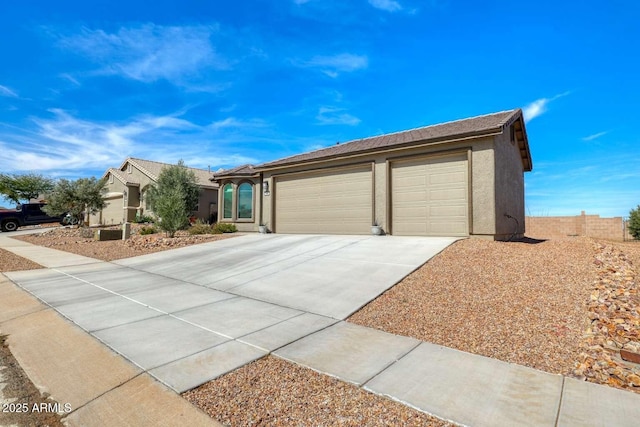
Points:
x=25 y=214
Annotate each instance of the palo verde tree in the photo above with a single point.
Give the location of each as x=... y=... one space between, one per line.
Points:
x=173 y=197
x=634 y=222
x=19 y=188
x=84 y=195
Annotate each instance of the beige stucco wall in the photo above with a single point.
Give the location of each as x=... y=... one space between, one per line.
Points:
x=509 y=176
x=113 y=213
x=483 y=189
x=482 y=183
x=133 y=202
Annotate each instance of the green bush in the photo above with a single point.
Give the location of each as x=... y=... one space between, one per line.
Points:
x=148 y=230
x=200 y=227
x=143 y=219
x=224 y=227
x=634 y=222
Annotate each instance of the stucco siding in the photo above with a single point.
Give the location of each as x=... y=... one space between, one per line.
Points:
x=483 y=189
x=509 y=176
x=482 y=220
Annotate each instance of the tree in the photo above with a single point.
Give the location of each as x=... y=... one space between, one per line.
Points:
x=83 y=195
x=173 y=197
x=634 y=222
x=19 y=188
x=173 y=213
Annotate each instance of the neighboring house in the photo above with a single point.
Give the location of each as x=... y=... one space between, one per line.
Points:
x=127 y=186
x=460 y=178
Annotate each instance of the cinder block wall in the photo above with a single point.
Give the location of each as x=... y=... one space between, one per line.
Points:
x=546 y=227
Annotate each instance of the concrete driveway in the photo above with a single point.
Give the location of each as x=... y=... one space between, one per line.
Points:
x=191 y=314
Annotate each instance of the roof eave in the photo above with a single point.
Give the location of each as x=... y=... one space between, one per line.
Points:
x=217 y=178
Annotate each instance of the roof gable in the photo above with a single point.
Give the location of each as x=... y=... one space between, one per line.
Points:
x=152 y=169
x=458 y=129
x=116 y=173
x=239 y=171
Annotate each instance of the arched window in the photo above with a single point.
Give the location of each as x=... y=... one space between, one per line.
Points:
x=227 y=201
x=245 y=201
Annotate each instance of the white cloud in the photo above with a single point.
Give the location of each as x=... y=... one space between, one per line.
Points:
x=387 y=5
x=70 y=78
x=67 y=143
x=336 y=64
x=539 y=107
x=5 y=91
x=594 y=136
x=151 y=52
x=232 y=122
x=336 y=116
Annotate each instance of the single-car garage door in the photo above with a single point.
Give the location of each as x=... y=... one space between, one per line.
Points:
x=336 y=201
x=112 y=213
x=429 y=196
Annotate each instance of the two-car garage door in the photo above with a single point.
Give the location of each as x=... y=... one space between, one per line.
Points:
x=428 y=197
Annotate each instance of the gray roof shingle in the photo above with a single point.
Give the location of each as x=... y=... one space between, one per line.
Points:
x=455 y=129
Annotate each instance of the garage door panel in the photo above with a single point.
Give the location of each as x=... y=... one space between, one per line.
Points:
x=452 y=195
x=334 y=201
x=430 y=197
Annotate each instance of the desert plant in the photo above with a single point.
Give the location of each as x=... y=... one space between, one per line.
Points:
x=24 y=187
x=86 y=232
x=172 y=211
x=634 y=222
x=144 y=230
x=143 y=219
x=84 y=195
x=224 y=227
x=200 y=227
x=173 y=197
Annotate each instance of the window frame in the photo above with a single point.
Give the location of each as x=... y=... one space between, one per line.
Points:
x=235 y=201
x=252 y=201
x=231 y=201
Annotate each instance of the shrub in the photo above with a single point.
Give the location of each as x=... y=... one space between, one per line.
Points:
x=143 y=219
x=172 y=212
x=86 y=232
x=224 y=227
x=634 y=222
x=200 y=227
x=148 y=230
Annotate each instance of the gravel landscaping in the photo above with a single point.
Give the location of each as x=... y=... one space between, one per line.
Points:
x=12 y=262
x=72 y=240
x=565 y=306
x=274 y=392
x=21 y=404
x=534 y=304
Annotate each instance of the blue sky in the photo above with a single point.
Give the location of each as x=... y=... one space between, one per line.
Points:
x=84 y=84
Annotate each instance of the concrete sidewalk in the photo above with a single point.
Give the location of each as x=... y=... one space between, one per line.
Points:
x=204 y=333
x=101 y=387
